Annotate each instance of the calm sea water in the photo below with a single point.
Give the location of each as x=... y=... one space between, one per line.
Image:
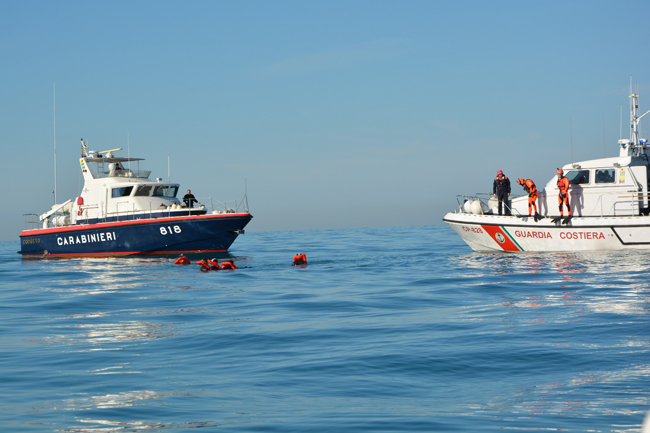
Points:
x=386 y=330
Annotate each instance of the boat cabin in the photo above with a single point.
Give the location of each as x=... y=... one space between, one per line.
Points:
x=607 y=187
x=602 y=187
x=114 y=192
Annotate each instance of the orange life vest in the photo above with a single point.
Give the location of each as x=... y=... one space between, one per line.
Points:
x=299 y=259
x=228 y=265
x=563 y=185
x=182 y=260
x=530 y=186
x=204 y=264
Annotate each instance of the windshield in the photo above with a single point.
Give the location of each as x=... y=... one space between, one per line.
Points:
x=165 y=191
x=122 y=191
x=143 y=191
x=578 y=176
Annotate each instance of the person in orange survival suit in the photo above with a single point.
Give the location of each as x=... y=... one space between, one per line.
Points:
x=501 y=191
x=563 y=196
x=531 y=189
x=299 y=259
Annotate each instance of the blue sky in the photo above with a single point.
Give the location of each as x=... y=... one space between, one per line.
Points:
x=334 y=113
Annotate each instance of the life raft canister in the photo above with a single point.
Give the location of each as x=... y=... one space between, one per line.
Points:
x=182 y=260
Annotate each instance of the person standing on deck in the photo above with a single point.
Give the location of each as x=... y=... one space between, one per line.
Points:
x=563 y=196
x=501 y=191
x=189 y=199
x=531 y=189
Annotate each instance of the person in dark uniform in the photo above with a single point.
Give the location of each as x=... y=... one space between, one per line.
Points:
x=501 y=191
x=189 y=199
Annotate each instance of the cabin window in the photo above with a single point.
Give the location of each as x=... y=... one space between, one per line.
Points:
x=578 y=176
x=165 y=191
x=122 y=191
x=143 y=191
x=606 y=175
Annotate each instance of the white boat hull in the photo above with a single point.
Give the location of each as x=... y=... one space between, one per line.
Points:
x=508 y=233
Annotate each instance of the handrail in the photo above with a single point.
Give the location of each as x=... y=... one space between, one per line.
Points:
x=32 y=221
x=239 y=205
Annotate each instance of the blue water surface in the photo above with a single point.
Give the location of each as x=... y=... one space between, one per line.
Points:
x=395 y=329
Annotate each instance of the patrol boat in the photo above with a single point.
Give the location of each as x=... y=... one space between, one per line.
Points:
x=120 y=212
x=608 y=199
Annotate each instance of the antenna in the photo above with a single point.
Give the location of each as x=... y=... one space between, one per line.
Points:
x=54 y=99
x=571 y=133
x=620 y=136
x=604 y=144
x=128 y=154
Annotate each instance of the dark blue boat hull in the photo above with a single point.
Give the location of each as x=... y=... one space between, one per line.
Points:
x=158 y=236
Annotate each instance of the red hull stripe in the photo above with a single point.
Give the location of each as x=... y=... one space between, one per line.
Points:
x=118 y=254
x=501 y=238
x=126 y=223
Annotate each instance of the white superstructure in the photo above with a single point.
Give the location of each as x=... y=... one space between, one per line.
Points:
x=114 y=192
x=608 y=199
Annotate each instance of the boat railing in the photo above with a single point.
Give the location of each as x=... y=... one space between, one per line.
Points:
x=84 y=212
x=484 y=200
x=126 y=173
x=228 y=206
x=32 y=221
x=464 y=201
x=126 y=214
x=628 y=207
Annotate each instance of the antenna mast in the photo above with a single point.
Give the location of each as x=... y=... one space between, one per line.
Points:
x=54 y=102
x=571 y=134
x=128 y=154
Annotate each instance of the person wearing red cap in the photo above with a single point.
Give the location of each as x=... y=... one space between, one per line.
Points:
x=501 y=191
x=563 y=196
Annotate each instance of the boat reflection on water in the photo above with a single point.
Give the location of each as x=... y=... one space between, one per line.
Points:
x=625 y=264
x=583 y=281
x=107 y=426
x=124 y=400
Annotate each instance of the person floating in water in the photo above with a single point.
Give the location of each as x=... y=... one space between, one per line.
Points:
x=299 y=259
x=228 y=264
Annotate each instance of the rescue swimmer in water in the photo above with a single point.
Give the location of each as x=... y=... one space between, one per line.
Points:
x=182 y=260
x=299 y=259
x=531 y=189
x=226 y=265
x=563 y=197
x=213 y=265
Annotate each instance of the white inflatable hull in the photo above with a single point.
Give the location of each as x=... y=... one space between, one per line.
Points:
x=509 y=233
